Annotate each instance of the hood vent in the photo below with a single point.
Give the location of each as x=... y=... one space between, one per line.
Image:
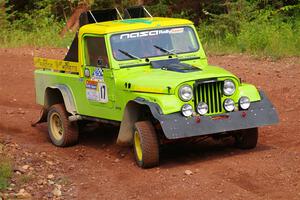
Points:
x=174 y=65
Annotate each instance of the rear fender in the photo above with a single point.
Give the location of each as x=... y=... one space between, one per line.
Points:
x=54 y=95
x=67 y=98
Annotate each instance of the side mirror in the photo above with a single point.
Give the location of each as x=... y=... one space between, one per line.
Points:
x=100 y=62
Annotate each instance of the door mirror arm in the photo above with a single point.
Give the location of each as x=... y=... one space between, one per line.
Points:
x=100 y=63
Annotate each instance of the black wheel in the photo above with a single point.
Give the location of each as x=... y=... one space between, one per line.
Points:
x=146 y=147
x=246 y=139
x=61 y=131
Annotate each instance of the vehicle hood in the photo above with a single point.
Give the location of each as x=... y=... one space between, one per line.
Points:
x=162 y=81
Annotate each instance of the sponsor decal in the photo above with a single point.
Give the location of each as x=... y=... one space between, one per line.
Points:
x=96 y=91
x=176 y=30
x=151 y=33
x=90 y=84
x=97 y=74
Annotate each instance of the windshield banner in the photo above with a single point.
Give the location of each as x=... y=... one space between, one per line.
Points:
x=151 y=33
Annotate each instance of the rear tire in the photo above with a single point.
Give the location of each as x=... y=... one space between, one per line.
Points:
x=61 y=131
x=146 y=146
x=246 y=139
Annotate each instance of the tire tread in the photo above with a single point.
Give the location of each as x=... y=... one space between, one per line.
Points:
x=247 y=139
x=149 y=143
x=70 y=128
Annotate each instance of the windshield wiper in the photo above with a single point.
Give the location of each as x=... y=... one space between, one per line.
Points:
x=165 y=50
x=129 y=54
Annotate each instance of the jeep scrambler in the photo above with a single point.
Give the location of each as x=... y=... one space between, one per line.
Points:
x=150 y=76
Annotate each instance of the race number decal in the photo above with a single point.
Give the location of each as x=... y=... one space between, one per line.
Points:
x=103 y=96
x=96 y=91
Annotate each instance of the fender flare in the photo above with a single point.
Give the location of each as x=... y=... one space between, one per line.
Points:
x=49 y=100
x=131 y=115
x=67 y=97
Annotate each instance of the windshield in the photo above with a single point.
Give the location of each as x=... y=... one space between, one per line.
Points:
x=151 y=43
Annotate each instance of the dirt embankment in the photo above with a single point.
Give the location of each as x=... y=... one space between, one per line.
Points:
x=98 y=169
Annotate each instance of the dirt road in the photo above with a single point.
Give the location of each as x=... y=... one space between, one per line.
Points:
x=99 y=169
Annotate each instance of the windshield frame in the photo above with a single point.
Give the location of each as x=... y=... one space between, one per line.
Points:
x=141 y=30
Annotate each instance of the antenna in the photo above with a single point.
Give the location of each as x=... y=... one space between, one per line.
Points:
x=119 y=13
x=93 y=16
x=147 y=11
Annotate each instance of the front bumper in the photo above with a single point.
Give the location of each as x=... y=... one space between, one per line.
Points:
x=260 y=113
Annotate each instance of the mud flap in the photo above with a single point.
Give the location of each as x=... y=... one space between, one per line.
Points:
x=42 y=117
x=131 y=114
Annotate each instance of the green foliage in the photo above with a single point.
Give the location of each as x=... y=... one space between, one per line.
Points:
x=262 y=28
x=37 y=27
x=163 y=8
x=100 y=4
x=184 y=14
x=5 y=172
x=159 y=9
x=247 y=29
x=3 y=14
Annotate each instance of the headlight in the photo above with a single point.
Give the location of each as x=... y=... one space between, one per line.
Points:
x=187 y=110
x=185 y=93
x=202 y=108
x=229 y=105
x=244 y=103
x=229 y=87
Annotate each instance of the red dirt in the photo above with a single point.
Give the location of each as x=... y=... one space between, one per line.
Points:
x=103 y=170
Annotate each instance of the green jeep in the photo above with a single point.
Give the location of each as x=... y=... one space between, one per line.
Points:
x=150 y=76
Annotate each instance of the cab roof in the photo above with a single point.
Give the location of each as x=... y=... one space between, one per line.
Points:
x=127 y=25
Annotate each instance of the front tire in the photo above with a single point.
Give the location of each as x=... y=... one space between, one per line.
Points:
x=246 y=139
x=146 y=146
x=61 y=131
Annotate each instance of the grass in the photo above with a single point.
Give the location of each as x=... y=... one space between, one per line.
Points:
x=5 y=171
x=24 y=178
x=45 y=37
x=263 y=39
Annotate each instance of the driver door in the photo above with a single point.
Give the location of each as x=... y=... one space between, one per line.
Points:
x=98 y=75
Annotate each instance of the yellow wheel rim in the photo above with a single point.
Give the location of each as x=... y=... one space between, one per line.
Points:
x=137 y=145
x=56 y=126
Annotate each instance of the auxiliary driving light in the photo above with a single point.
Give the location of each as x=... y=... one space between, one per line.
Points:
x=187 y=110
x=244 y=103
x=202 y=108
x=229 y=105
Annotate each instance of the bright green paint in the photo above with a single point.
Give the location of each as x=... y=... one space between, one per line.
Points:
x=134 y=21
x=148 y=83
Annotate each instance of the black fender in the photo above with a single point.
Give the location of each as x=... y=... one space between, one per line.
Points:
x=132 y=113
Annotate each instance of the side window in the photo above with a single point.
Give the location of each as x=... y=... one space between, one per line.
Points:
x=95 y=49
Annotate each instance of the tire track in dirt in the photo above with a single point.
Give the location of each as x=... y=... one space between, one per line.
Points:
x=9 y=130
